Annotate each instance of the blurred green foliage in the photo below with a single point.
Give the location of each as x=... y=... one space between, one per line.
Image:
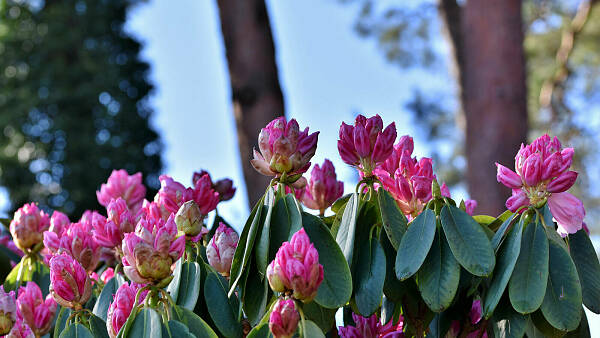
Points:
x=73 y=102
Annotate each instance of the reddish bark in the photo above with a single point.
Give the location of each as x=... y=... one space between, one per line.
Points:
x=256 y=94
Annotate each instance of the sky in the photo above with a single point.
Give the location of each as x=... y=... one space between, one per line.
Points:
x=327 y=74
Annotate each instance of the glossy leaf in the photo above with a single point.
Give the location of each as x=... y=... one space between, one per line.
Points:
x=347 y=230
x=586 y=261
x=370 y=276
x=394 y=221
x=312 y=330
x=189 y=285
x=147 y=323
x=439 y=275
x=336 y=288
x=260 y=331
x=179 y=330
x=415 y=244
x=196 y=325
x=245 y=246
x=507 y=258
x=77 y=331
x=287 y=220
x=393 y=289
x=98 y=327
x=264 y=234
x=468 y=241
x=324 y=318
x=219 y=308
x=527 y=285
x=256 y=294
x=61 y=320
x=173 y=287
x=508 y=323
x=105 y=298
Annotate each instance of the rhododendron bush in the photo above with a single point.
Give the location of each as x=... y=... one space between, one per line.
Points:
x=398 y=257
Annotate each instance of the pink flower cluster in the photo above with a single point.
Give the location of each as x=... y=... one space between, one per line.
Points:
x=542 y=175
x=284 y=149
x=283 y=320
x=34 y=311
x=221 y=248
x=121 y=306
x=28 y=226
x=173 y=194
x=296 y=268
x=121 y=185
x=70 y=284
x=8 y=311
x=223 y=186
x=372 y=328
x=323 y=188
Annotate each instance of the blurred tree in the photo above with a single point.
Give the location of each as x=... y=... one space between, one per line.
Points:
x=255 y=90
x=73 y=102
x=561 y=43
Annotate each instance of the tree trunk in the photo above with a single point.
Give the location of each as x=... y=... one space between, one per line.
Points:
x=487 y=39
x=256 y=94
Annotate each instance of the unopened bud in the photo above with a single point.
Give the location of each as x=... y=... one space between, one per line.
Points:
x=189 y=219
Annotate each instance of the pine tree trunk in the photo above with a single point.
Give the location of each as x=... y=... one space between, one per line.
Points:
x=487 y=38
x=256 y=94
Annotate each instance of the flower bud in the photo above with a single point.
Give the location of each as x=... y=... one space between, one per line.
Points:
x=8 y=311
x=221 y=248
x=225 y=189
x=532 y=169
x=204 y=195
x=70 y=285
x=284 y=149
x=323 y=188
x=508 y=177
x=78 y=241
x=28 y=226
x=283 y=321
x=296 y=267
x=517 y=200
x=189 y=220
x=171 y=195
x=120 y=221
x=37 y=312
x=20 y=330
x=59 y=222
x=107 y=275
x=121 y=306
x=563 y=182
x=568 y=212
x=150 y=253
x=120 y=184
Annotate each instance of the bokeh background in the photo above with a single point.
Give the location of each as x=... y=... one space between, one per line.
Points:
x=173 y=87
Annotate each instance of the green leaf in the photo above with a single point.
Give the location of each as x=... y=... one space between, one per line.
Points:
x=370 y=276
x=189 y=285
x=245 y=246
x=583 y=330
x=98 y=327
x=324 y=318
x=9 y=254
x=562 y=304
x=415 y=244
x=173 y=287
x=507 y=258
x=527 y=285
x=501 y=233
x=196 y=325
x=336 y=288
x=256 y=295
x=219 y=308
x=392 y=287
x=394 y=221
x=508 y=323
x=312 y=330
x=468 y=241
x=105 y=298
x=179 y=330
x=61 y=320
x=588 y=268
x=287 y=220
x=347 y=230
x=439 y=276
x=337 y=205
x=78 y=331
x=5 y=222
x=147 y=323
x=543 y=327
x=28 y=270
x=264 y=234
x=260 y=331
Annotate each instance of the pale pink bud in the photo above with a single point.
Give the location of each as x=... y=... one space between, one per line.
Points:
x=37 y=312
x=508 y=177
x=517 y=200
x=20 y=330
x=8 y=311
x=283 y=320
x=189 y=220
x=476 y=311
x=323 y=188
x=568 y=212
x=121 y=306
x=70 y=285
x=120 y=184
x=221 y=248
x=204 y=195
x=28 y=226
x=59 y=222
x=563 y=182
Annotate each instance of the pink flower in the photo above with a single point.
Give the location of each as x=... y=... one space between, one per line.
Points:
x=171 y=195
x=70 y=285
x=476 y=311
x=120 y=221
x=36 y=312
x=296 y=268
x=150 y=253
x=323 y=188
x=366 y=144
x=28 y=226
x=284 y=149
x=223 y=186
x=542 y=175
x=59 y=222
x=391 y=330
x=107 y=275
x=20 y=330
x=204 y=195
x=406 y=179
x=363 y=327
x=120 y=184
x=121 y=306
x=283 y=321
x=221 y=248
x=8 y=311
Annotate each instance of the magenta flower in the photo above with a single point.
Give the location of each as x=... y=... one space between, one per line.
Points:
x=36 y=312
x=28 y=226
x=121 y=306
x=223 y=186
x=406 y=179
x=119 y=222
x=283 y=321
x=542 y=175
x=364 y=327
x=20 y=330
x=296 y=268
x=59 y=222
x=171 y=195
x=204 y=195
x=221 y=248
x=323 y=188
x=120 y=184
x=70 y=285
x=366 y=144
x=150 y=253
x=284 y=149
x=476 y=312
x=8 y=311
x=107 y=275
